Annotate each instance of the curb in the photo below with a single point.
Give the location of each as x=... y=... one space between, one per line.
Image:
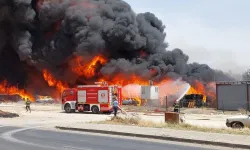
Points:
x=222 y=144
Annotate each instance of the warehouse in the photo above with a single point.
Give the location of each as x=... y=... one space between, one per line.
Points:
x=233 y=95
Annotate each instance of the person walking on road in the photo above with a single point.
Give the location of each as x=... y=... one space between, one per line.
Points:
x=27 y=102
x=115 y=105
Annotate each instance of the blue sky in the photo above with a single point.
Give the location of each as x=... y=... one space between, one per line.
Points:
x=216 y=32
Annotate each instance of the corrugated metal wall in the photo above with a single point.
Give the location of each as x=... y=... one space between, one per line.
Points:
x=232 y=97
x=248 y=96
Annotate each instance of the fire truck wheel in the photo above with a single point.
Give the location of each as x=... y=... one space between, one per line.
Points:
x=67 y=108
x=95 y=109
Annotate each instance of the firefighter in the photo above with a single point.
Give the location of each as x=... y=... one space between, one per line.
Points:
x=115 y=105
x=176 y=107
x=27 y=102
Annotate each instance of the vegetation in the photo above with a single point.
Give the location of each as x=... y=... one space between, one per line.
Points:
x=137 y=121
x=246 y=75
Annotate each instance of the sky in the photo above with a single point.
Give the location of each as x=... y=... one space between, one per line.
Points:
x=214 y=32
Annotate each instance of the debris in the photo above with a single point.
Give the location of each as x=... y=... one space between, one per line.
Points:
x=4 y=114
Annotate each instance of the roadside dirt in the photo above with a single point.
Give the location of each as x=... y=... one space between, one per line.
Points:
x=45 y=115
x=51 y=115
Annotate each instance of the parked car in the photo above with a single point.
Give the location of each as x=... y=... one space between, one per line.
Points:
x=238 y=121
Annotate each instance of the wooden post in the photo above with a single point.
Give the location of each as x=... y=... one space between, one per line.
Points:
x=166 y=103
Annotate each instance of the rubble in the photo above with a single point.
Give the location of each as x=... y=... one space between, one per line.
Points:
x=4 y=114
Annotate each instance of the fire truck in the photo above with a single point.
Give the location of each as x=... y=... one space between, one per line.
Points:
x=96 y=98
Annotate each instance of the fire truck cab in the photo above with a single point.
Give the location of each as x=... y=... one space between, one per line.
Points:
x=96 y=98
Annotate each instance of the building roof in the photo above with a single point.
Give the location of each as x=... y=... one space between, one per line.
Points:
x=233 y=82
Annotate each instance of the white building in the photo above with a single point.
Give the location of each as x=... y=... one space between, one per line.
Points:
x=150 y=94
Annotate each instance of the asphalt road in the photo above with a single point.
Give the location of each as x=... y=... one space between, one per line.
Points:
x=13 y=138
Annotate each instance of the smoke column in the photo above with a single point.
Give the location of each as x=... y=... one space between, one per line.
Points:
x=49 y=34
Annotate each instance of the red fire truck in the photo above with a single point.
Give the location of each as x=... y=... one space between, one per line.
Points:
x=96 y=98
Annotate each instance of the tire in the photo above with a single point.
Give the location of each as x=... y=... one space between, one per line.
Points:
x=67 y=108
x=237 y=125
x=95 y=110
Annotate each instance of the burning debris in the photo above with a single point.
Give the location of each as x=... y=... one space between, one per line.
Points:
x=82 y=41
x=9 y=90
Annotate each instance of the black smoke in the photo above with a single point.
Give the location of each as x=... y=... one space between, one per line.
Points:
x=51 y=34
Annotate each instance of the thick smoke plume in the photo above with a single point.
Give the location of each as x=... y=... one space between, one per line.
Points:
x=50 y=34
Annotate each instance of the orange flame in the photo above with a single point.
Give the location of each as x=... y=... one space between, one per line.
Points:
x=12 y=90
x=123 y=80
x=199 y=88
x=60 y=86
x=87 y=70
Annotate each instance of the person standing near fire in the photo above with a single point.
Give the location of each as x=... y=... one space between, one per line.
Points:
x=115 y=105
x=27 y=103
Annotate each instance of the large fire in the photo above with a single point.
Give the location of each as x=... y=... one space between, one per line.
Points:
x=60 y=86
x=198 y=88
x=7 y=89
x=88 y=70
x=123 y=80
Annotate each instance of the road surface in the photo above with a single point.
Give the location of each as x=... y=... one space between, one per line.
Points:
x=14 y=138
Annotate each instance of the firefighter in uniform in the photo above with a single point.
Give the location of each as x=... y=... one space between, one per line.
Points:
x=27 y=103
x=176 y=107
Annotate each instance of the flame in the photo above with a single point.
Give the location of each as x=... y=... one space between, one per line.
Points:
x=12 y=90
x=60 y=86
x=44 y=97
x=199 y=88
x=131 y=84
x=132 y=91
x=87 y=70
x=83 y=68
x=123 y=80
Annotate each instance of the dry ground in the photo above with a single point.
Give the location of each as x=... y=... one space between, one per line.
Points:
x=52 y=114
x=46 y=115
x=203 y=117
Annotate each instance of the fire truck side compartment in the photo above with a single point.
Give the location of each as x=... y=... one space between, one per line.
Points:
x=81 y=96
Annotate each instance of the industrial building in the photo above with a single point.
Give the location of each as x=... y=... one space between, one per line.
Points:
x=233 y=96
